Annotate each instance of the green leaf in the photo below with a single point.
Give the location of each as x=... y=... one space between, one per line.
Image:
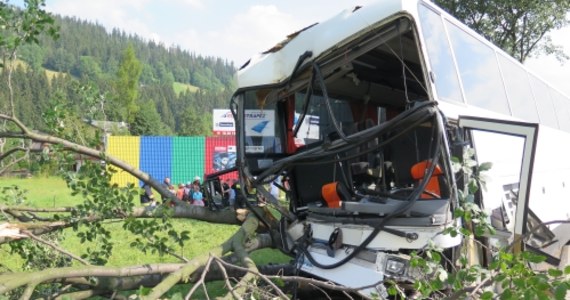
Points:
x=494 y=265
x=458 y=213
x=465 y=231
x=485 y=166
x=500 y=277
x=506 y=256
x=543 y=296
x=560 y=291
x=177 y=296
x=436 y=256
x=520 y=283
x=281 y=283
x=144 y=291
x=555 y=272
x=392 y=291
x=507 y=294
x=534 y=258
x=487 y=295
x=479 y=230
x=543 y=286
x=453 y=232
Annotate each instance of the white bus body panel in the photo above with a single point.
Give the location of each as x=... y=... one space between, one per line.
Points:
x=355 y=273
x=355 y=234
x=275 y=67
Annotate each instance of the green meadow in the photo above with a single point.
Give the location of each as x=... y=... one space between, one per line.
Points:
x=52 y=192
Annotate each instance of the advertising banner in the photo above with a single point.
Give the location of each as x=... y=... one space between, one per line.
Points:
x=260 y=122
x=220 y=155
x=224 y=123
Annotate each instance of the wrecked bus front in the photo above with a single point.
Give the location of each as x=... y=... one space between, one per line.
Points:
x=356 y=121
x=362 y=148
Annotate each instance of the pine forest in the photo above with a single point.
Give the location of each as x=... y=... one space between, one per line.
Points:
x=114 y=76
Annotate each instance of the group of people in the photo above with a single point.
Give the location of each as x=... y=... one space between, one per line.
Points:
x=190 y=192
x=233 y=196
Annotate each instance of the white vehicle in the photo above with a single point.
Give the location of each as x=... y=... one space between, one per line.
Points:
x=362 y=114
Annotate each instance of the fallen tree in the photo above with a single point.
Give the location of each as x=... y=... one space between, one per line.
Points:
x=103 y=202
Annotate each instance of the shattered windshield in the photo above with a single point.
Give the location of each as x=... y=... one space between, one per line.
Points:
x=361 y=122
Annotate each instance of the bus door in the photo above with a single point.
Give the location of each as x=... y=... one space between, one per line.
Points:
x=510 y=147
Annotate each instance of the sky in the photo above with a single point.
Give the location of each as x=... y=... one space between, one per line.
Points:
x=237 y=30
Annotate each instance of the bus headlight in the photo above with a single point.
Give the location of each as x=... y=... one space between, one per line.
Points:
x=396 y=266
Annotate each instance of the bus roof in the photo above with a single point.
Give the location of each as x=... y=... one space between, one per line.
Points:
x=514 y=88
x=275 y=65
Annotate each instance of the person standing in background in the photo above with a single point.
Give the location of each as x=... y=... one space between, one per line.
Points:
x=166 y=184
x=232 y=194
x=197 y=197
x=180 y=191
x=226 y=193
x=147 y=197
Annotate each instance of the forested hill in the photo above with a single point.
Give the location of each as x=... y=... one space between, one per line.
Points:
x=89 y=69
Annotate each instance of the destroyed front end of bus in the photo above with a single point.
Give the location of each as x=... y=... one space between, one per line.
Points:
x=358 y=150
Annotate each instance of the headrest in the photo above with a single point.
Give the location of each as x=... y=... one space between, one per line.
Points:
x=418 y=170
x=335 y=192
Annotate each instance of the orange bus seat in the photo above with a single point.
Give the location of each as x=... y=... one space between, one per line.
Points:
x=418 y=171
x=334 y=193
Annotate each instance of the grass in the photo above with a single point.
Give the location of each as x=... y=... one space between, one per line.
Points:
x=182 y=87
x=52 y=74
x=49 y=73
x=45 y=192
x=53 y=192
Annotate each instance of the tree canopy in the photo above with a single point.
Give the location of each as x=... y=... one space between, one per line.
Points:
x=127 y=84
x=520 y=27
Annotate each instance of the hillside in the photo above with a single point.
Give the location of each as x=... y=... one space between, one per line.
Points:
x=84 y=61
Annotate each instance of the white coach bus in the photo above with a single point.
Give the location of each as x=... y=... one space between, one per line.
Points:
x=361 y=117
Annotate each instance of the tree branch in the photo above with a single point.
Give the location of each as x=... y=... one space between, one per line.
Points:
x=12 y=163
x=247 y=229
x=80 y=149
x=227 y=280
x=81 y=295
x=13 y=150
x=28 y=291
x=201 y=281
x=265 y=278
x=10 y=281
x=35 y=209
x=180 y=211
x=55 y=247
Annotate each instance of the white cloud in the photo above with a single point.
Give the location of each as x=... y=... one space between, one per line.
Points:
x=256 y=30
x=127 y=15
x=191 y=3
